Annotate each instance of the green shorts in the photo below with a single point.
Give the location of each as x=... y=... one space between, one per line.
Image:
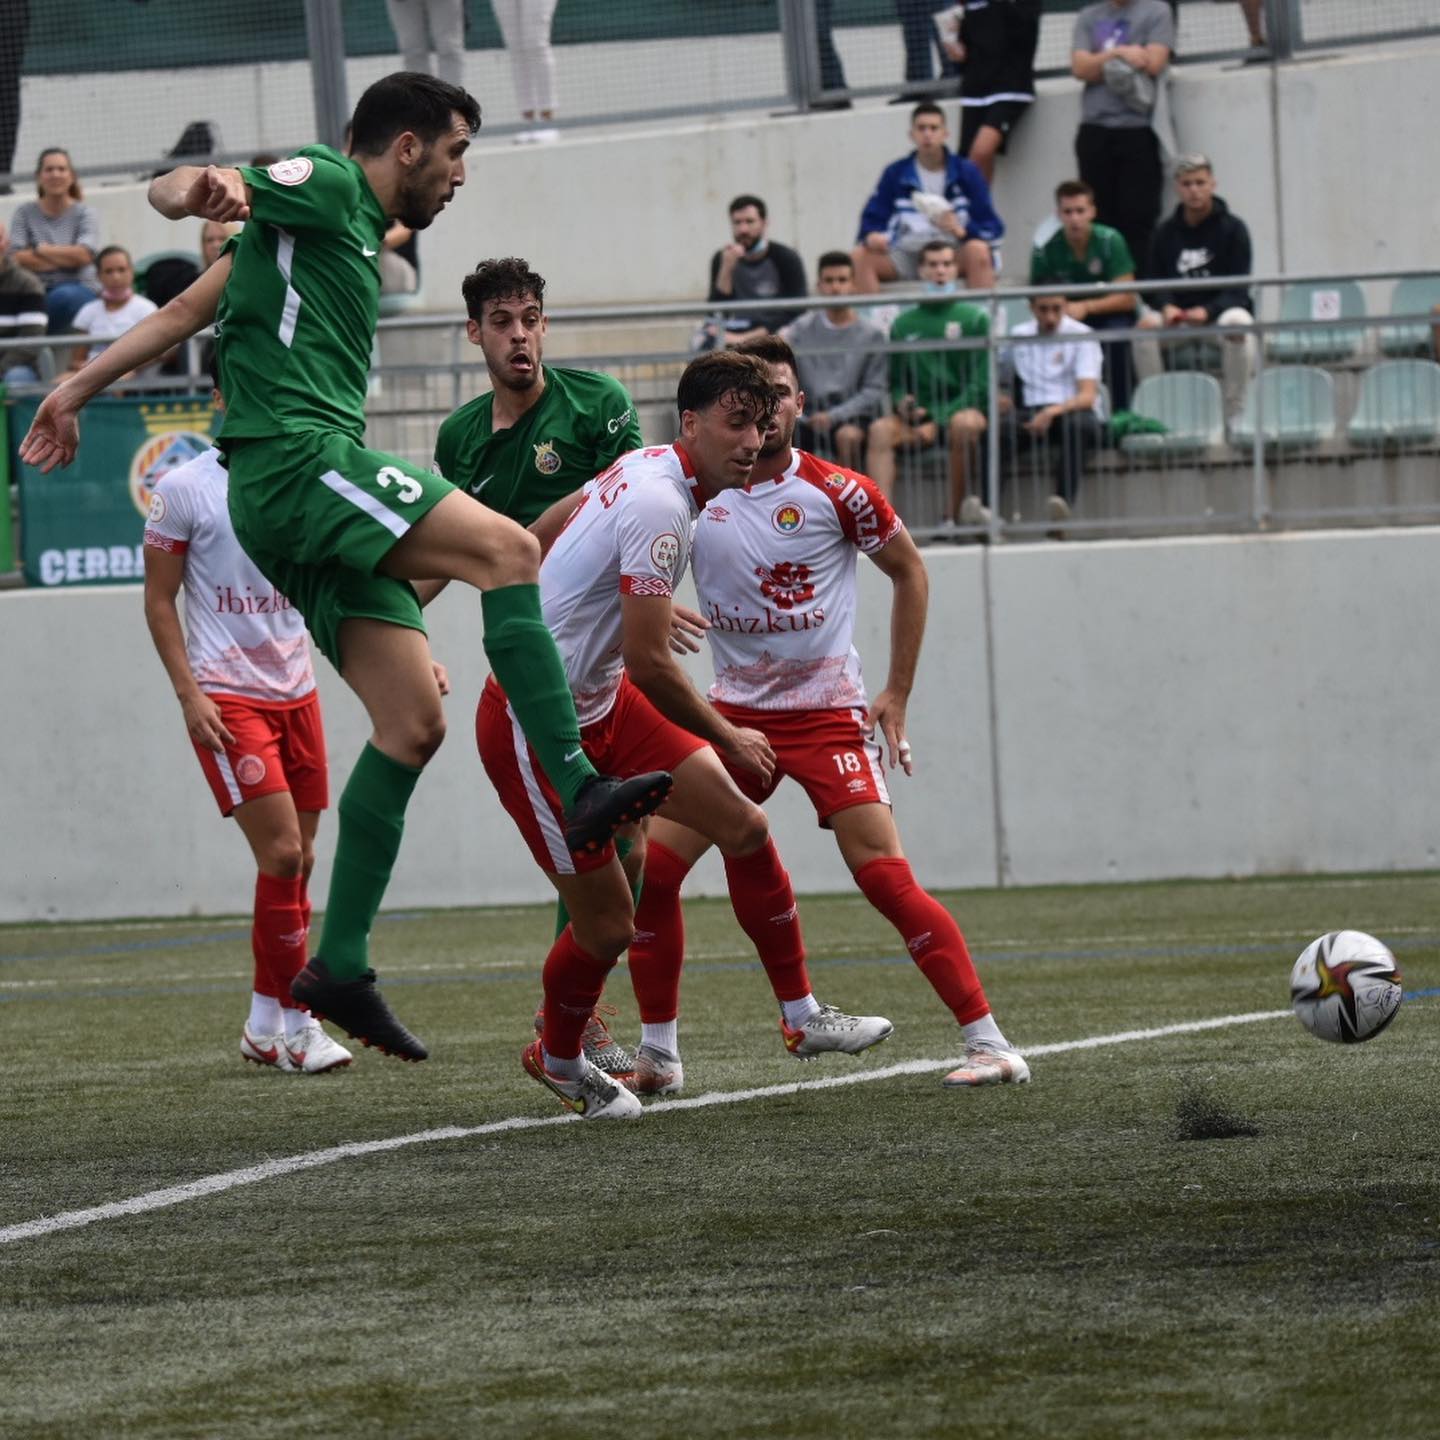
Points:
x=318 y=512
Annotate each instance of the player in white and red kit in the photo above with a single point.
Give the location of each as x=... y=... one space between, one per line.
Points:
x=606 y=591
x=242 y=673
x=775 y=572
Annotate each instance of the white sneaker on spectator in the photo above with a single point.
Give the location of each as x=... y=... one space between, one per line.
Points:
x=972 y=512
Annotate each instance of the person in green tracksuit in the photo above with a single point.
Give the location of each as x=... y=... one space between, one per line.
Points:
x=539 y=434
x=343 y=530
x=936 y=392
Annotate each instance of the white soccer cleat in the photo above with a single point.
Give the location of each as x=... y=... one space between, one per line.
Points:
x=313 y=1052
x=832 y=1029
x=990 y=1067
x=594 y=1096
x=656 y=1073
x=265 y=1050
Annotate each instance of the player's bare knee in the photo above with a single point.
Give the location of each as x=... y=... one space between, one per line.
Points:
x=283 y=856
x=745 y=832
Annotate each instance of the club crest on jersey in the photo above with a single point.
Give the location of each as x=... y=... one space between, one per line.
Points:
x=785 y=585
x=787 y=519
x=665 y=551
x=547 y=461
x=294 y=171
x=250 y=770
x=175 y=432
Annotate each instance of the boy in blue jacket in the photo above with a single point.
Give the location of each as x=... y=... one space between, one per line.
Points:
x=929 y=194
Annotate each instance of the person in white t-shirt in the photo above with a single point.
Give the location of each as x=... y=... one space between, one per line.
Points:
x=242 y=673
x=1058 y=404
x=115 y=310
x=606 y=592
x=775 y=573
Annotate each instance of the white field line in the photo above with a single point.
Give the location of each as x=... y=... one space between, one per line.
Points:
x=272 y=1169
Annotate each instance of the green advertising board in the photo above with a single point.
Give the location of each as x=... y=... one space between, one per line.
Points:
x=83 y=525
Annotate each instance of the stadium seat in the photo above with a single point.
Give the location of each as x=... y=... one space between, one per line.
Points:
x=1294 y=404
x=1417 y=295
x=1399 y=404
x=1187 y=404
x=1323 y=300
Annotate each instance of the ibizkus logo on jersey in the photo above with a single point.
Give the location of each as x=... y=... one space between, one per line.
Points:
x=547 y=461
x=174 y=433
x=785 y=585
x=787 y=519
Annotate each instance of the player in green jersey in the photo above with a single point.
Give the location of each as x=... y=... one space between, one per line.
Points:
x=343 y=530
x=542 y=430
x=539 y=435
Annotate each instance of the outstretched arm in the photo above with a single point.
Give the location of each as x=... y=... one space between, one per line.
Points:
x=55 y=433
x=910 y=598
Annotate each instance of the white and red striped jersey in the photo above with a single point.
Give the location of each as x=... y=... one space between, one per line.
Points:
x=242 y=636
x=630 y=535
x=775 y=569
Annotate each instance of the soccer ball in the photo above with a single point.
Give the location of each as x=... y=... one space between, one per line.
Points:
x=1345 y=987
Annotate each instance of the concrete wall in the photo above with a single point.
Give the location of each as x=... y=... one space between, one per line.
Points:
x=633 y=215
x=1186 y=707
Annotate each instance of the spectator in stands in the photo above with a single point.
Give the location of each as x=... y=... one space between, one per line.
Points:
x=1082 y=252
x=1254 y=11
x=751 y=267
x=993 y=42
x=936 y=392
x=1203 y=238
x=22 y=315
x=213 y=235
x=917 y=29
x=399 y=261
x=832 y=72
x=424 y=25
x=525 y=24
x=1120 y=50
x=1057 y=403
x=56 y=237
x=841 y=368
x=117 y=308
x=929 y=194
x=14 y=26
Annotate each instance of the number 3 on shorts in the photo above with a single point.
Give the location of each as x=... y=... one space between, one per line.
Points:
x=407 y=488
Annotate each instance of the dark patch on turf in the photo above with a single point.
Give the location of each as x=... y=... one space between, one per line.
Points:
x=1201 y=1114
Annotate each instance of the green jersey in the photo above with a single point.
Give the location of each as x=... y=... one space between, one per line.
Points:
x=581 y=424
x=296 y=325
x=1106 y=257
x=942 y=381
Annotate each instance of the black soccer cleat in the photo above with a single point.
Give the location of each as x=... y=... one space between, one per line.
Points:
x=357 y=1007
x=604 y=804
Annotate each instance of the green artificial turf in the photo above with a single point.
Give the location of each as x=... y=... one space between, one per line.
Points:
x=1229 y=1233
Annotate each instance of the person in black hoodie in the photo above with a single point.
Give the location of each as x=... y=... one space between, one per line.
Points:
x=1201 y=238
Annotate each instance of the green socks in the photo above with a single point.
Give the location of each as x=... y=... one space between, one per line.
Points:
x=523 y=656
x=372 y=820
x=622 y=848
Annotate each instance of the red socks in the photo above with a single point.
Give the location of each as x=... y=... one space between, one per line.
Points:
x=574 y=979
x=658 y=951
x=930 y=933
x=764 y=905
x=277 y=937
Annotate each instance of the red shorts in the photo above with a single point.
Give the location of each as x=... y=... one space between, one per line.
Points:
x=633 y=738
x=825 y=751
x=276 y=748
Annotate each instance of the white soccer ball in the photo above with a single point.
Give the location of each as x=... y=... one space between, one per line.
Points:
x=1345 y=987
